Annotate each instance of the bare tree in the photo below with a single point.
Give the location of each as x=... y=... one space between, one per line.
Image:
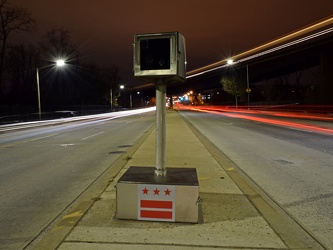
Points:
x=269 y=90
x=21 y=65
x=232 y=86
x=111 y=77
x=12 y=19
x=58 y=44
x=298 y=82
x=60 y=85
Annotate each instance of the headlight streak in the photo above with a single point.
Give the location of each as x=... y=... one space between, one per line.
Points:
x=286 y=45
x=88 y=118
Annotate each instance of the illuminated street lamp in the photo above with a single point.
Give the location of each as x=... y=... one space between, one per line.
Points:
x=59 y=63
x=230 y=62
x=111 y=95
x=248 y=90
x=121 y=87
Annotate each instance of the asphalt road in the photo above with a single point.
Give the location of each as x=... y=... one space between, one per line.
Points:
x=294 y=166
x=43 y=170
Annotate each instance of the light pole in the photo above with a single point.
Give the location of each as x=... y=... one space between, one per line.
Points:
x=248 y=90
x=59 y=63
x=111 y=95
x=38 y=94
x=231 y=62
x=120 y=88
x=131 y=101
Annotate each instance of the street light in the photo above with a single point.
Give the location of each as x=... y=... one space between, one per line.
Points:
x=230 y=62
x=59 y=63
x=248 y=90
x=111 y=95
x=120 y=88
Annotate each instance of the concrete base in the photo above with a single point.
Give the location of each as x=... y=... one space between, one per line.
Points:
x=141 y=195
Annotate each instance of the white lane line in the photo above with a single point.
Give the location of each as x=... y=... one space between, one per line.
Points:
x=43 y=137
x=92 y=136
x=66 y=145
x=14 y=143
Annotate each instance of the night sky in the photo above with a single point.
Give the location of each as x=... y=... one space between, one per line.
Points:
x=103 y=30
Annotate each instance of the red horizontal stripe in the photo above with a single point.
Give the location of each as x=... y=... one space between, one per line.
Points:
x=155 y=214
x=156 y=204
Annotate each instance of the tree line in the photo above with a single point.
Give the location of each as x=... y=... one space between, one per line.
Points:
x=78 y=83
x=288 y=87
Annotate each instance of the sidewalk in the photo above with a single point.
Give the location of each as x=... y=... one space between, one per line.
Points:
x=235 y=216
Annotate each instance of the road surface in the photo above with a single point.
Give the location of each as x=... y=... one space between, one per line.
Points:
x=292 y=164
x=43 y=170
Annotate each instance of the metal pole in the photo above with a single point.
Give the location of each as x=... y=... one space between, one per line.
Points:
x=248 y=86
x=111 y=102
x=38 y=94
x=131 y=105
x=160 y=128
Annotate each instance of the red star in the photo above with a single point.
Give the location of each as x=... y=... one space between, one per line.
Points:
x=167 y=192
x=145 y=191
x=156 y=192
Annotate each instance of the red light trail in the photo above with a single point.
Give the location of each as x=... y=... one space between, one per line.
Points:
x=249 y=115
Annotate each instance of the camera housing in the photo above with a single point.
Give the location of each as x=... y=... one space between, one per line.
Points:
x=160 y=57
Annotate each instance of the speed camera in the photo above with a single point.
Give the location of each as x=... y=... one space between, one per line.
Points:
x=160 y=56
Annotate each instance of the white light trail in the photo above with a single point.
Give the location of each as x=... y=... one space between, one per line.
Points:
x=250 y=54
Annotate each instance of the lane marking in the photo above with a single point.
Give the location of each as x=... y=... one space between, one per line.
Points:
x=26 y=141
x=85 y=138
x=65 y=145
x=42 y=137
